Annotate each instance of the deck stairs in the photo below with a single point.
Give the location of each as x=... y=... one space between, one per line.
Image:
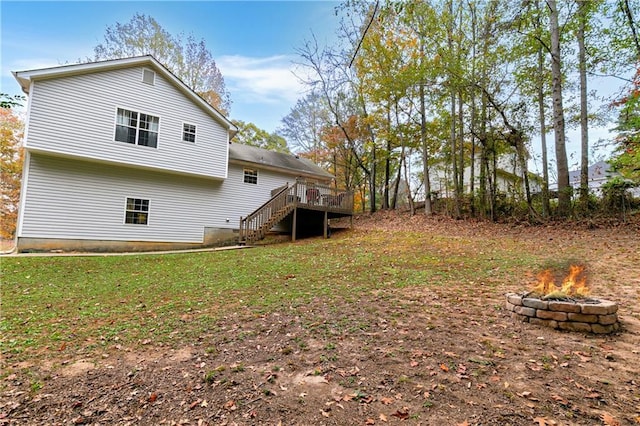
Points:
x=255 y=226
x=309 y=196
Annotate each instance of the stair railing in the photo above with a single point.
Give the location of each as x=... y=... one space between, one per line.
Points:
x=253 y=224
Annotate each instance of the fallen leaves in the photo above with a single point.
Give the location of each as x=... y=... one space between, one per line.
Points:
x=543 y=421
x=402 y=413
x=609 y=420
x=528 y=395
x=386 y=400
x=230 y=405
x=560 y=399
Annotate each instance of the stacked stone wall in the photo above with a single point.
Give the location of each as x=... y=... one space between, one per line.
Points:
x=599 y=318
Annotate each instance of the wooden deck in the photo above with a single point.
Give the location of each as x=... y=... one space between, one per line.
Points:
x=310 y=205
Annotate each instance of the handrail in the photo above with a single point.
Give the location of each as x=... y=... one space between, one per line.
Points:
x=256 y=220
x=270 y=200
x=301 y=193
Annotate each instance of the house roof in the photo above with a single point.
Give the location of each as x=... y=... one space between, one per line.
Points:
x=251 y=155
x=25 y=78
x=597 y=171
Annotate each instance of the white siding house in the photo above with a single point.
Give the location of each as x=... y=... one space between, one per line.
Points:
x=508 y=177
x=121 y=155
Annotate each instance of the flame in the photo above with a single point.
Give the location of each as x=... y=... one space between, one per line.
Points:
x=574 y=284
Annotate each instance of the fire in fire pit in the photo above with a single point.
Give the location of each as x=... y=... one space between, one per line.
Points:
x=574 y=284
x=566 y=306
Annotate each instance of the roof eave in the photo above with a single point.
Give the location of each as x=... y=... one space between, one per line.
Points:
x=296 y=172
x=25 y=78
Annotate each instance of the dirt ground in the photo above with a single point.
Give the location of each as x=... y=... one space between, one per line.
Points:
x=399 y=356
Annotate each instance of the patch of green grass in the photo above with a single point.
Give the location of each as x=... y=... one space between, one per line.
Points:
x=238 y=368
x=95 y=302
x=35 y=386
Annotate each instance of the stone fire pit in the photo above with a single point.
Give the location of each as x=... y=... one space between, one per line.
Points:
x=588 y=315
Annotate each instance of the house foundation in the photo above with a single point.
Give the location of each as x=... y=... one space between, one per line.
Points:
x=213 y=237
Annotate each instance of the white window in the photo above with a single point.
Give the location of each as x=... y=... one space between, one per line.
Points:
x=188 y=132
x=137 y=128
x=148 y=76
x=136 y=211
x=250 y=176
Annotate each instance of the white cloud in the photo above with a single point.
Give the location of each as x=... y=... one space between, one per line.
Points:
x=268 y=80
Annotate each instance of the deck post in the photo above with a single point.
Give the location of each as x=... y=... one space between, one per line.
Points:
x=295 y=224
x=326 y=224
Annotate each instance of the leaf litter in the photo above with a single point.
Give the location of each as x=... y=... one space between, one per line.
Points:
x=412 y=353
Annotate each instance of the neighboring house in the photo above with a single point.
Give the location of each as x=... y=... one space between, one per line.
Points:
x=508 y=177
x=598 y=174
x=122 y=155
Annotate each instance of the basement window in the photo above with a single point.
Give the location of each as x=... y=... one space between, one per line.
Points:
x=137 y=211
x=251 y=176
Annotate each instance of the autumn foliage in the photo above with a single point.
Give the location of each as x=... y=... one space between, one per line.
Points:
x=11 y=157
x=627 y=160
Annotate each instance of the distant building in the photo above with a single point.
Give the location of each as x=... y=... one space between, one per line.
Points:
x=598 y=176
x=508 y=177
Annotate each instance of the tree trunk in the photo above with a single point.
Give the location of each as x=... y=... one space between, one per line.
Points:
x=472 y=159
x=626 y=9
x=372 y=181
x=460 y=183
x=452 y=95
x=564 y=190
x=387 y=164
x=543 y=136
x=493 y=184
x=396 y=186
x=428 y=208
x=584 y=131
x=412 y=207
x=522 y=159
x=454 y=162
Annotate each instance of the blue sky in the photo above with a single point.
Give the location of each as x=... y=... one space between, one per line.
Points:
x=253 y=42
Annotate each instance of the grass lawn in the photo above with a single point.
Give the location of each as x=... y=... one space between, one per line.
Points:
x=376 y=313
x=86 y=301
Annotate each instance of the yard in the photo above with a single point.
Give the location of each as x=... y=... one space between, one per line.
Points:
x=398 y=321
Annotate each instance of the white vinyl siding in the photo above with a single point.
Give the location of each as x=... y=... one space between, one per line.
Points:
x=241 y=199
x=81 y=200
x=72 y=199
x=98 y=95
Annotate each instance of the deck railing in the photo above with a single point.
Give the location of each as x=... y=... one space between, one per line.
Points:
x=299 y=194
